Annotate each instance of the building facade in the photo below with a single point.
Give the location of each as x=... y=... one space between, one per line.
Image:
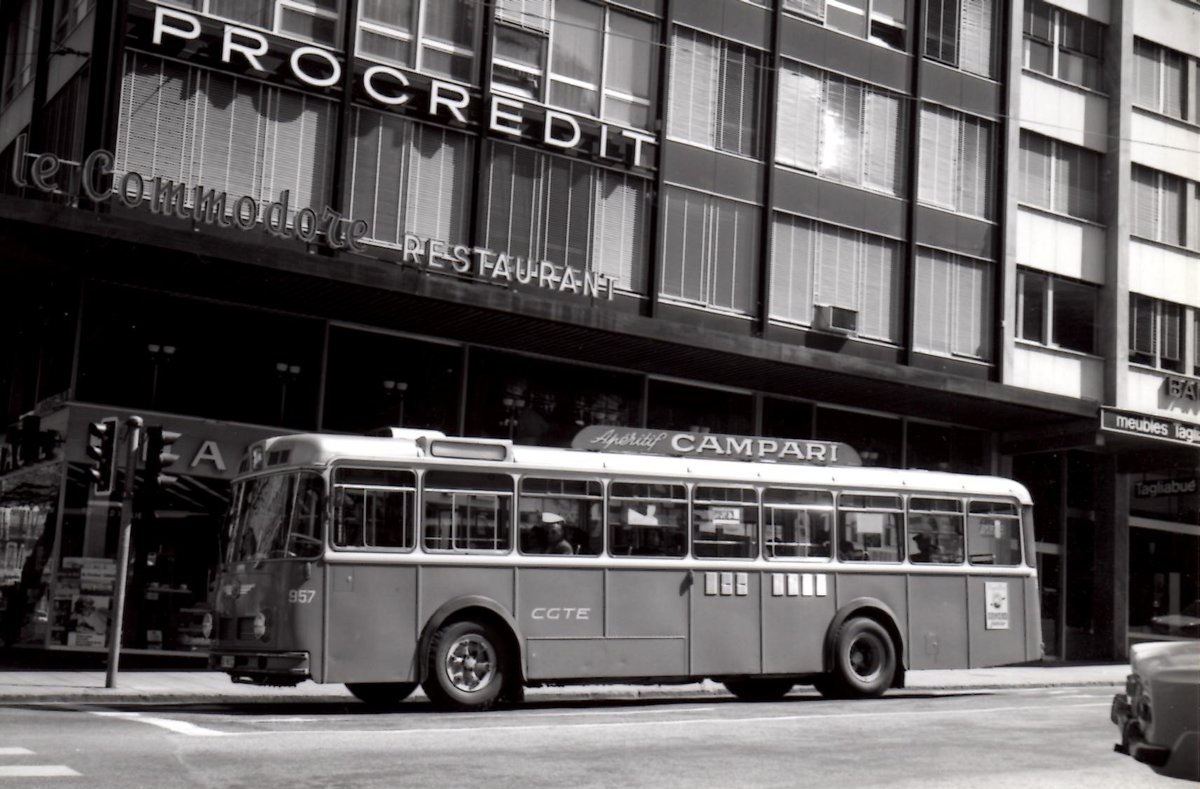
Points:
x=954 y=234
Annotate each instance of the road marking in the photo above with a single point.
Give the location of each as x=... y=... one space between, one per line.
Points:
x=36 y=771
x=179 y=727
x=479 y=730
x=15 y=751
x=613 y=712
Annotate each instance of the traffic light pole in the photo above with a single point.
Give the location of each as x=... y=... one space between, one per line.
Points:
x=133 y=430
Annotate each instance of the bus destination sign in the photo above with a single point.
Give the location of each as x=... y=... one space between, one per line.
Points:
x=716 y=446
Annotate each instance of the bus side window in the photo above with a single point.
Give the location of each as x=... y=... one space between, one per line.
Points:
x=467 y=511
x=573 y=506
x=724 y=522
x=994 y=533
x=647 y=519
x=348 y=530
x=869 y=527
x=797 y=523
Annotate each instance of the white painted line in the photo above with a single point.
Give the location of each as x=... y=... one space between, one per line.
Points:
x=15 y=751
x=479 y=731
x=37 y=771
x=179 y=727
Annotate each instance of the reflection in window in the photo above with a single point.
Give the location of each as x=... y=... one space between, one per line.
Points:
x=797 y=523
x=869 y=528
x=994 y=533
x=724 y=522
x=935 y=531
x=840 y=129
x=878 y=21
x=647 y=519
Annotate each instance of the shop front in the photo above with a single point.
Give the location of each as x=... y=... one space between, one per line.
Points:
x=60 y=536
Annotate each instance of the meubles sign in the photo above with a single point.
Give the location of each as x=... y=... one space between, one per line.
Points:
x=244 y=50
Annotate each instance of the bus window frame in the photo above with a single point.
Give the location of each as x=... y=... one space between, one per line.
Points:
x=509 y=509
x=909 y=535
x=899 y=512
x=600 y=498
x=831 y=508
x=755 y=542
x=335 y=488
x=1018 y=517
x=685 y=528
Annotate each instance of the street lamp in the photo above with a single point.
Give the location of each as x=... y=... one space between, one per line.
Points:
x=287 y=373
x=159 y=355
x=397 y=389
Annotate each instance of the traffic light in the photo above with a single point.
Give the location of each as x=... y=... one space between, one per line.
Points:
x=102 y=448
x=159 y=455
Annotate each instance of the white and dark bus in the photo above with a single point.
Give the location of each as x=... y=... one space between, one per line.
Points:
x=476 y=568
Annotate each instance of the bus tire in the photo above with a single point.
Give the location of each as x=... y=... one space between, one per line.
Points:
x=384 y=695
x=467 y=667
x=759 y=688
x=864 y=661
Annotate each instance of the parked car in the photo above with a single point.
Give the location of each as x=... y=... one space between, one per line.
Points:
x=1185 y=623
x=1159 y=713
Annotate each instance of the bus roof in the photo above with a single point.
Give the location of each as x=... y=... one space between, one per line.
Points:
x=403 y=445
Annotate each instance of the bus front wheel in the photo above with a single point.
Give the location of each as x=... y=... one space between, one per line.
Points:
x=466 y=668
x=383 y=695
x=864 y=661
x=759 y=689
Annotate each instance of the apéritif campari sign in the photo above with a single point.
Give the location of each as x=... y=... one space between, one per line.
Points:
x=718 y=446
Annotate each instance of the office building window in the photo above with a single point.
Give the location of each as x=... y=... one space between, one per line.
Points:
x=1160 y=80
x=1156 y=333
x=716 y=93
x=952 y=315
x=434 y=36
x=840 y=129
x=409 y=178
x=590 y=58
x=1160 y=207
x=956 y=162
x=544 y=207
x=1060 y=177
x=878 y=21
x=1056 y=312
x=709 y=251
x=311 y=20
x=960 y=33
x=67 y=16
x=813 y=263
x=1063 y=45
x=19 y=50
x=227 y=134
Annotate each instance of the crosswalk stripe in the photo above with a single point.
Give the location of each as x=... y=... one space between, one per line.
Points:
x=15 y=751
x=36 y=771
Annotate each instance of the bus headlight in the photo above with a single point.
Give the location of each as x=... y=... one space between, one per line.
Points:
x=260 y=626
x=206 y=625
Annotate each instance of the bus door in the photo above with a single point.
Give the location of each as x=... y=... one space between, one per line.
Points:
x=726 y=596
x=372 y=628
x=647 y=589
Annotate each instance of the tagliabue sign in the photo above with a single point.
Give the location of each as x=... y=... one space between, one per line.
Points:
x=717 y=446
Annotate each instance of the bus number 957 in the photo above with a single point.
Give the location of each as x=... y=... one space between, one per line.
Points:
x=301 y=596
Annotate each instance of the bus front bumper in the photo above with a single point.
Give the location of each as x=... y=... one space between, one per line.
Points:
x=261 y=668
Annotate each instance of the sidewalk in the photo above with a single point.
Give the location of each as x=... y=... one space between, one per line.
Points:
x=200 y=686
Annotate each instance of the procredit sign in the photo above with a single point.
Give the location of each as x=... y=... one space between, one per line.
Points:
x=717 y=446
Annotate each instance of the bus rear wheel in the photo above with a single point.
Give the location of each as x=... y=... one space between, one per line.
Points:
x=758 y=688
x=384 y=695
x=864 y=661
x=467 y=667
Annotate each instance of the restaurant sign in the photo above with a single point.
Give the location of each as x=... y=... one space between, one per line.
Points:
x=716 y=446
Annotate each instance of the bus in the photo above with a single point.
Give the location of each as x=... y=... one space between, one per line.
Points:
x=476 y=568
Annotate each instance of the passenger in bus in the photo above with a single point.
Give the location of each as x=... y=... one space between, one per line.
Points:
x=652 y=544
x=925 y=548
x=556 y=542
x=849 y=552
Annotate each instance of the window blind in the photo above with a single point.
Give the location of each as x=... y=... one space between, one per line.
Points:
x=956 y=162
x=235 y=135
x=952 y=313
x=709 y=250
x=532 y=14
x=714 y=93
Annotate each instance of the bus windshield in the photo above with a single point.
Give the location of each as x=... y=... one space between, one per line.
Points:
x=277 y=516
